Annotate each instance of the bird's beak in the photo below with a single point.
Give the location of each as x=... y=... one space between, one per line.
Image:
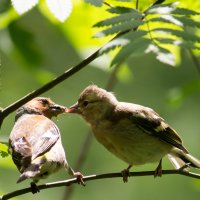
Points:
x=57 y=109
x=74 y=109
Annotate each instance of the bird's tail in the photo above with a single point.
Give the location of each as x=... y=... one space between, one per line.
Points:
x=30 y=172
x=181 y=159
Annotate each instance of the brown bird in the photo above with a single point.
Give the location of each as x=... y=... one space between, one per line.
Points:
x=35 y=141
x=134 y=133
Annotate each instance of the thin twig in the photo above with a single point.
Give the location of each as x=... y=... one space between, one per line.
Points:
x=136 y=4
x=95 y=177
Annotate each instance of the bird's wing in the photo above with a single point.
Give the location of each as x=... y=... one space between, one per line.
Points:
x=47 y=135
x=32 y=136
x=151 y=123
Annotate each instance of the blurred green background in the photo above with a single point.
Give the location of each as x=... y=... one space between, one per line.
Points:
x=34 y=48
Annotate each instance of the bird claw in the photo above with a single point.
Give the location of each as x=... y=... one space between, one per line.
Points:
x=34 y=188
x=125 y=174
x=79 y=178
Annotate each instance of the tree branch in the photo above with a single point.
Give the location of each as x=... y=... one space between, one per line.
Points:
x=95 y=177
x=14 y=106
x=11 y=108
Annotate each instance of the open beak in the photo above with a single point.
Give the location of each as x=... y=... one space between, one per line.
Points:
x=73 y=109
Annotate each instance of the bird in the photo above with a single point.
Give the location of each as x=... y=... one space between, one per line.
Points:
x=134 y=133
x=35 y=141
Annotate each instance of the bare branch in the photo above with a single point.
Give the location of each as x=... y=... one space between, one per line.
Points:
x=96 y=177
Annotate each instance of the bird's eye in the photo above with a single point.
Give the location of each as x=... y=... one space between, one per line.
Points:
x=44 y=101
x=85 y=103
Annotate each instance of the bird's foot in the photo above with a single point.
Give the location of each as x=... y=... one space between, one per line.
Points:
x=79 y=178
x=126 y=174
x=34 y=188
x=158 y=171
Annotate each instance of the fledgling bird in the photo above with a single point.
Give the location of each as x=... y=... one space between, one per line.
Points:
x=132 y=132
x=35 y=141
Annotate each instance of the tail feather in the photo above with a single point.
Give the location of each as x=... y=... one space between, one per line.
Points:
x=27 y=174
x=179 y=159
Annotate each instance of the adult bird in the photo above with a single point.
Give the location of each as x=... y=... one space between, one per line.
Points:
x=134 y=133
x=35 y=141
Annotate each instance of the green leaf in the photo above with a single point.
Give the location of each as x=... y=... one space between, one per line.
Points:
x=167 y=40
x=165 y=56
x=23 y=7
x=188 y=21
x=120 y=28
x=3 y=150
x=162 y=8
x=123 y=40
x=119 y=19
x=167 y=19
x=181 y=34
x=60 y=9
x=162 y=55
x=133 y=48
x=96 y=3
x=185 y=12
x=120 y=10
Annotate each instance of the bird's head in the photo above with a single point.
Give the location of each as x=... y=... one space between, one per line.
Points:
x=42 y=106
x=94 y=103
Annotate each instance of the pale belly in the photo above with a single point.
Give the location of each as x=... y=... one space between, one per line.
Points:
x=133 y=148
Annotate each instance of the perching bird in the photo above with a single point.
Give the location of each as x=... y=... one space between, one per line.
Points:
x=35 y=141
x=132 y=132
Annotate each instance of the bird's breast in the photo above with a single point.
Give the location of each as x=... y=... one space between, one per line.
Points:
x=130 y=143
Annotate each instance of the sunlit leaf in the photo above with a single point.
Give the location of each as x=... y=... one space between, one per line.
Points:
x=184 y=11
x=182 y=34
x=123 y=40
x=167 y=19
x=22 y=6
x=162 y=8
x=120 y=28
x=188 y=21
x=120 y=10
x=137 y=47
x=3 y=150
x=119 y=19
x=61 y=9
x=163 y=55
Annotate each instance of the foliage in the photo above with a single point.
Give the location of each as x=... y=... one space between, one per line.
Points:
x=158 y=30
x=3 y=150
x=161 y=29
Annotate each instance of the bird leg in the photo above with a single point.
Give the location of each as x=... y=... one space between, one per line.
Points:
x=126 y=173
x=34 y=188
x=78 y=176
x=158 y=171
